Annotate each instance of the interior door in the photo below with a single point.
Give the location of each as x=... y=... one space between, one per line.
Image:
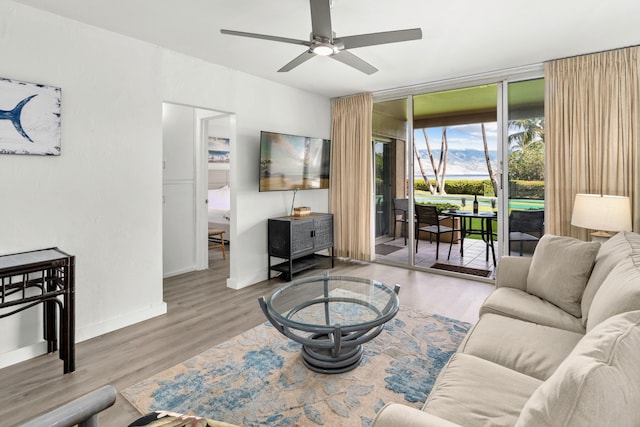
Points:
x=179 y=189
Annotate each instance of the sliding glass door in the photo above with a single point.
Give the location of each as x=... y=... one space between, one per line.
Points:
x=392 y=228
x=382 y=169
x=455 y=140
x=474 y=155
x=525 y=148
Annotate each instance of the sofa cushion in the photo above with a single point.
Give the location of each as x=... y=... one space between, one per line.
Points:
x=524 y=306
x=611 y=253
x=598 y=384
x=526 y=347
x=559 y=270
x=396 y=414
x=620 y=292
x=512 y=272
x=471 y=392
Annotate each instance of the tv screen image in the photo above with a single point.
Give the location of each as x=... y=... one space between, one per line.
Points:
x=291 y=162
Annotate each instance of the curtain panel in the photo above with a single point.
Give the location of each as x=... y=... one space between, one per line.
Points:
x=592 y=128
x=350 y=193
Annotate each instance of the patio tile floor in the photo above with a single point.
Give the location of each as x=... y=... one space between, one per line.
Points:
x=474 y=254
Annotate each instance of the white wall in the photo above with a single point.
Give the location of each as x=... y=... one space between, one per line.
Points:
x=101 y=200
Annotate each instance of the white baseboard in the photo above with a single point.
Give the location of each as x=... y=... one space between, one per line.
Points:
x=248 y=280
x=23 y=353
x=167 y=274
x=101 y=328
x=37 y=349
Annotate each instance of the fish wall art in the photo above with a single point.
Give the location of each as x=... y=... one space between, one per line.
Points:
x=29 y=118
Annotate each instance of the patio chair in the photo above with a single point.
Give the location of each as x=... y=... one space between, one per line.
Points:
x=428 y=220
x=526 y=226
x=400 y=210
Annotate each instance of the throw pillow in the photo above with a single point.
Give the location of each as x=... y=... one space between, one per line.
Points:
x=559 y=271
x=611 y=252
x=598 y=384
x=619 y=292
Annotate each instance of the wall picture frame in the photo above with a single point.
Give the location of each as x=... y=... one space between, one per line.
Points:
x=30 y=118
x=218 y=152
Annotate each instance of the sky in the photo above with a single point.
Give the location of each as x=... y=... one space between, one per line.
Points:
x=461 y=137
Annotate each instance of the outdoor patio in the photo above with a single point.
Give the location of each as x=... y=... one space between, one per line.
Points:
x=475 y=258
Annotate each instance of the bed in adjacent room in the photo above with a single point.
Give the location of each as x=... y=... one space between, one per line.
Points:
x=219 y=210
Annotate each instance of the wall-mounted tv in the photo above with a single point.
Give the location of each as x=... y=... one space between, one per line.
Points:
x=291 y=162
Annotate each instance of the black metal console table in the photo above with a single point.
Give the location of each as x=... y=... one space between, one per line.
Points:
x=44 y=276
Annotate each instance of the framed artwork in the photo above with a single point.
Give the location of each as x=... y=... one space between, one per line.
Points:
x=29 y=118
x=218 y=152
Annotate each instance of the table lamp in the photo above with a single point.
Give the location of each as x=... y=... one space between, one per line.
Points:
x=603 y=213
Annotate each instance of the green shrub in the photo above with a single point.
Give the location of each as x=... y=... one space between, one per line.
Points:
x=518 y=189
x=460 y=186
x=526 y=190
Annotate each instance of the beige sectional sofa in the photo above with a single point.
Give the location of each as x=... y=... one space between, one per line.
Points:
x=557 y=344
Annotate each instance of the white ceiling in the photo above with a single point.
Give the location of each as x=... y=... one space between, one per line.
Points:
x=460 y=37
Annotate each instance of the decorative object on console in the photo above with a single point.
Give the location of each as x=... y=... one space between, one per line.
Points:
x=603 y=213
x=302 y=211
x=29 y=118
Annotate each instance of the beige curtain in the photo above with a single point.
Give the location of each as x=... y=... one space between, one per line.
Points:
x=592 y=130
x=350 y=193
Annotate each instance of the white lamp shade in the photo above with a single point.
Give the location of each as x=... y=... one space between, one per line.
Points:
x=602 y=212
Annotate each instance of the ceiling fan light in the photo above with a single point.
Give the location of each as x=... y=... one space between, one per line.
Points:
x=323 y=49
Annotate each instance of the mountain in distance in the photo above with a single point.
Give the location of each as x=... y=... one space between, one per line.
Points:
x=459 y=162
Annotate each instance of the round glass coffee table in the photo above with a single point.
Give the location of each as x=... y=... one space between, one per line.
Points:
x=331 y=316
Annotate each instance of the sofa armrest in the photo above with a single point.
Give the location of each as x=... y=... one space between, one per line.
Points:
x=82 y=411
x=512 y=272
x=395 y=414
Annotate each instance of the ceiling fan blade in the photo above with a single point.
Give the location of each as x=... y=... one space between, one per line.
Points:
x=372 y=39
x=266 y=37
x=321 y=19
x=305 y=56
x=353 y=61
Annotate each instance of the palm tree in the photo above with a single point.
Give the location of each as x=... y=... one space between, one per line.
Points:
x=492 y=175
x=528 y=132
x=422 y=171
x=440 y=170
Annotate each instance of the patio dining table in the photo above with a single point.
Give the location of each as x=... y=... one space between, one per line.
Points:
x=485 y=230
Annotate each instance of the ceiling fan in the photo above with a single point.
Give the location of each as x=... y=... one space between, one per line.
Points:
x=324 y=42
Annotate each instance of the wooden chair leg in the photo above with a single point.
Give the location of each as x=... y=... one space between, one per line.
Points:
x=213 y=245
x=224 y=255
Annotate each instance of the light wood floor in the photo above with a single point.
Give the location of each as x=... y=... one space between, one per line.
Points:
x=202 y=312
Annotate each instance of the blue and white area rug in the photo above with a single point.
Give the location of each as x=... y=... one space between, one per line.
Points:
x=258 y=378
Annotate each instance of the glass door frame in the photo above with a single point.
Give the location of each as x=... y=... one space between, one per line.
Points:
x=499 y=78
x=384 y=215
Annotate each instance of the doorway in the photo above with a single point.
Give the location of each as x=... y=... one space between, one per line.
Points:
x=185 y=139
x=217 y=133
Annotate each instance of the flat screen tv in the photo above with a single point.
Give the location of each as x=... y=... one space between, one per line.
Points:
x=291 y=162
